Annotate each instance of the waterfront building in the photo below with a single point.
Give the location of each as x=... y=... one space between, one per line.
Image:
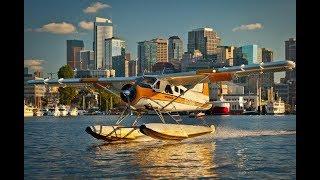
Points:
x=73 y=53
x=33 y=93
x=87 y=59
x=115 y=49
x=147 y=56
x=225 y=88
x=103 y=29
x=175 y=51
x=283 y=91
x=206 y=40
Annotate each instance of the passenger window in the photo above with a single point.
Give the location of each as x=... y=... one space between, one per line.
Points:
x=157 y=85
x=168 y=89
x=176 y=89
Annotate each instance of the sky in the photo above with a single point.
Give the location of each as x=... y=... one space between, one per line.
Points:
x=48 y=24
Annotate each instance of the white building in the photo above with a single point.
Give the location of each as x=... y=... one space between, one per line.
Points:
x=103 y=29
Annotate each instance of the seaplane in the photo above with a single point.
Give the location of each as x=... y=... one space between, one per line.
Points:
x=165 y=94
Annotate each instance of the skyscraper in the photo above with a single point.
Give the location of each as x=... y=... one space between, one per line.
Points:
x=290 y=54
x=175 y=51
x=267 y=79
x=73 y=53
x=147 y=56
x=251 y=54
x=204 y=39
x=103 y=29
x=115 y=50
x=162 y=49
x=87 y=59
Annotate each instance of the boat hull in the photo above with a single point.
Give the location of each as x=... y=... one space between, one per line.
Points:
x=220 y=110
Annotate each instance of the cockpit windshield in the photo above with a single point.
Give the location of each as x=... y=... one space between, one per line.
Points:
x=146 y=82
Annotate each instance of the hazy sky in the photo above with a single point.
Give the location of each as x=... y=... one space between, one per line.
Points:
x=48 y=24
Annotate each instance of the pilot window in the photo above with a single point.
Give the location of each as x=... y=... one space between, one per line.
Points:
x=157 y=86
x=168 y=89
x=176 y=89
x=181 y=91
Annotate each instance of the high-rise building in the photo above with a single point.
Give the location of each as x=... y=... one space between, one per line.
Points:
x=267 y=55
x=290 y=54
x=267 y=79
x=175 y=51
x=87 y=59
x=225 y=54
x=133 y=70
x=147 y=56
x=162 y=49
x=126 y=65
x=73 y=53
x=103 y=29
x=251 y=54
x=204 y=39
x=115 y=49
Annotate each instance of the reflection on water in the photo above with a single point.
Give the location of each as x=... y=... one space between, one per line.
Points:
x=163 y=159
x=243 y=147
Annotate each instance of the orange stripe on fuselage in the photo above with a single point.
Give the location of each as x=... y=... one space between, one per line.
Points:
x=151 y=94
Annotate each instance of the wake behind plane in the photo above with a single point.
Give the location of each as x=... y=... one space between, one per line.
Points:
x=164 y=94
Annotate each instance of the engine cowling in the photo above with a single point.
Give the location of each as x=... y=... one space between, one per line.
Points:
x=128 y=93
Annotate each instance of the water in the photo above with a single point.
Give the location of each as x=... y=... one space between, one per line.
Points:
x=249 y=147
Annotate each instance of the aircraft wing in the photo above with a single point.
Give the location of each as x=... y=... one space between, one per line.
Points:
x=79 y=81
x=183 y=78
x=225 y=73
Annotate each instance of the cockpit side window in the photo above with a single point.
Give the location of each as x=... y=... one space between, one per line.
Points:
x=157 y=86
x=176 y=89
x=146 y=82
x=181 y=91
x=168 y=89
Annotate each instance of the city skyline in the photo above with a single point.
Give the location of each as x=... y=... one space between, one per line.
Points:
x=246 y=22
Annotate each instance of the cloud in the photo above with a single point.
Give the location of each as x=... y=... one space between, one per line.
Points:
x=34 y=64
x=57 y=28
x=88 y=25
x=248 y=27
x=95 y=7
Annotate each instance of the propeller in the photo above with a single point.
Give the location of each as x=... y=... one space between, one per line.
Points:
x=128 y=94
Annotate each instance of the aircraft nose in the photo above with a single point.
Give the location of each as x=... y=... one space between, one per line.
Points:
x=128 y=93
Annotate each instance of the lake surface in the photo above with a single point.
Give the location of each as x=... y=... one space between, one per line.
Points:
x=250 y=147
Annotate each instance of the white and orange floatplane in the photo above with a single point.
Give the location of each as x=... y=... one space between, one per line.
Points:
x=164 y=94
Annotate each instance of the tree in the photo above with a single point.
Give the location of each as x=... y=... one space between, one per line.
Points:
x=65 y=72
x=66 y=94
